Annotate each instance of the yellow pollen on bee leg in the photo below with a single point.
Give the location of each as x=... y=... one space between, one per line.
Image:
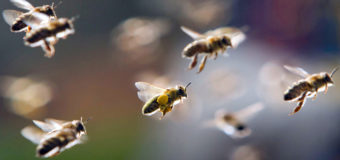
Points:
x=162 y=99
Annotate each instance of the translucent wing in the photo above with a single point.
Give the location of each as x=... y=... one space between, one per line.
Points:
x=222 y=30
x=147 y=91
x=33 y=134
x=10 y=16
x=54 y=122
x=248 y=112
x=237 y=38
x=193 y=34
x=23 y=4
x=36 y=19
x=296 y=70
x=44 y=126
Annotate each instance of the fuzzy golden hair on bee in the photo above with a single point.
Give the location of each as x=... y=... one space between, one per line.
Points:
x=210 y=44
x=16 y=18
x=307 y=87
x=159 y=99
x=55 y=136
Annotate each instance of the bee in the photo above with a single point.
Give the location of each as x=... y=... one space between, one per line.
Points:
x=46 y=32
x=54 y=136
x=307 y=87
x=233 y=124
x=15 y=18
x=210 y=44
x=159 y=99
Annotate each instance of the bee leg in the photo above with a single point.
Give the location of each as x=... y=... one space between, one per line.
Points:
x=301 y=102
x=49 y=49
x=193 y=62
x=215 y=55
x=315 y=95
x=28 y=29
x=204 y=60
x=326 y=89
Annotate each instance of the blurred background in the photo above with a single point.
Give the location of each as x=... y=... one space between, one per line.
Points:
x=120 y=42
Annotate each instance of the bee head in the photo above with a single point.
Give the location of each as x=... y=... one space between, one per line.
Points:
x=328 y=78
x=48 y=10
x=226 y=41
x=80 y=126
x=182 y=91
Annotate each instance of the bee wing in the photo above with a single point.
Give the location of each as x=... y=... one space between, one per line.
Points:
x=248 y=112
x=23 y=4
x=147 y=91
x=297 y=70
x=193 y=34
x=56 y=123
x=36 y=19
x=237 y=38
x=33 y=134
x=11 y=15
x=44 y=126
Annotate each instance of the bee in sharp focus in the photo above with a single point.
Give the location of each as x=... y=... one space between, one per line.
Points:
x=233 y=124
x=55 y=136
x=46 y=32
x=211 y=43
x=15 y=18
x=159 y=99
x=307 y=87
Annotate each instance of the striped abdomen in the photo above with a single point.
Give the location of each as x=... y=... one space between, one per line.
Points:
x=46 y=32
x=151 y=106
x=18 y=26
x=297 y=90
x=209 y=45
x=59 y=140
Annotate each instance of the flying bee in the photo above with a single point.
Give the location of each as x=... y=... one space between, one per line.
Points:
x=233 y=124
x=46 y=32
x=159 y=99
x=307 y=87
x=210 y=44
x=55 y=136
x=15 y=18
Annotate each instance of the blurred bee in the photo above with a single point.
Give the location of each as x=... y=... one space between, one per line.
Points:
x=307 y=87
x=55 y=135
x=159 y=99
x=211 y=43
x=233 y=124
x=48 y=33
x=16 y=18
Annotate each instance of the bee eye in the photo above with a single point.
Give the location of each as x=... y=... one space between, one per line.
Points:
x=80 y=127
x=224 y=41
x=180 y=91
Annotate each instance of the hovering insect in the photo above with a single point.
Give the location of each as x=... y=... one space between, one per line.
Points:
x=233 y=124
x=307 y=87
x=55 y=135
x=46 y=32
x=15 y=18
x=159 y=99
x=210 y=44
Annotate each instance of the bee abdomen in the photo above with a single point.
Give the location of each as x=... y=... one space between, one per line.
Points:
x=296 y=90
x=195 y=48
x=60 y=140
x=49 y=145
x=38 y=35
x=18 y=25
x=150 y=106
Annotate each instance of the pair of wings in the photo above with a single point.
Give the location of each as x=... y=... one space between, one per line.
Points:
x=11 y=15
x=35 y=134
x=236 y=35
x=297 y=70
x=147 y=91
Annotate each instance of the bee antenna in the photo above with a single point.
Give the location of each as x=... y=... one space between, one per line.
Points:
x=187 y=85
x=334 y=70
x=87 y=120
x=74 y=18
x=55 y=6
